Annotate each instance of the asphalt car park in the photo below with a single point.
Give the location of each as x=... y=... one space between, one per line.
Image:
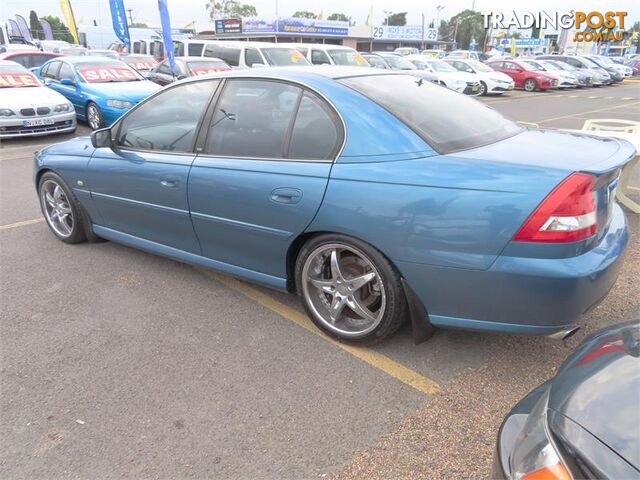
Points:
x=120 y=363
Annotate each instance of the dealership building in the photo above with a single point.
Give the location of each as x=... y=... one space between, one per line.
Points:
x=304 y=30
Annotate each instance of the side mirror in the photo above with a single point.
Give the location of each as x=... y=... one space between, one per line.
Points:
x=67 y=81
x=101 y=138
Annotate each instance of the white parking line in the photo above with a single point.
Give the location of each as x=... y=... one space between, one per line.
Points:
x=24 y=223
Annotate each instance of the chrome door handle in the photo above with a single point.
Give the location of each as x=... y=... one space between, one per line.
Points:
x=169 y=183
x=286 y=195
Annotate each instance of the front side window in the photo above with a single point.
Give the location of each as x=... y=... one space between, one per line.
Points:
x=446 y=120
x=318 y=57
x=169 y=121
x=252 y=119
x=178 y=48
x=51 y=70
x=252 y=57
x=65 y=72
x=195 y=49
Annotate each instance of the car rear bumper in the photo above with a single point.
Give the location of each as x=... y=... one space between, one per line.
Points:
x=520 y=294
x=14 y=128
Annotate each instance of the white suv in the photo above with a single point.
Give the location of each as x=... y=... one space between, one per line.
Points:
x=254 y=54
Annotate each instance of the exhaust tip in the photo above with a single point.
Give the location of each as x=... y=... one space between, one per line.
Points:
x=564 y=334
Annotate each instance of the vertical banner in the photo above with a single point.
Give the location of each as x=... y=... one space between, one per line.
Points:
x=14 y=31
x=46 y=28
x=166 y=33
x=119 y=20
x=24 y=28
x=67 y=11
x=513 y=47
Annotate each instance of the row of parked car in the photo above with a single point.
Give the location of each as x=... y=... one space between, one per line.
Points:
x=98 y=86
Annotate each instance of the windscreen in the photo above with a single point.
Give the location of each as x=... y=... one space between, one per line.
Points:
x=533 y=66
x=440 y=66
x=17 y=76
x=280 y=57
x=348 y=57
x=447 y=120
x=400 y=63
x=480 y=67
x=107 y=72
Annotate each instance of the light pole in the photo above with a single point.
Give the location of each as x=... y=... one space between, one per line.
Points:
x=387 y=13
x=438 y=9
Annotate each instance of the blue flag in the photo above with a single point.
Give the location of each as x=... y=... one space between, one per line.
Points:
x=119 y=20
x=166 y=33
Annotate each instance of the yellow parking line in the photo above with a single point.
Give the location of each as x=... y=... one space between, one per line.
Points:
x=373 y=358
x=21 y=224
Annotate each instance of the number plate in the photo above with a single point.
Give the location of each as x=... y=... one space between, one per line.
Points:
x=37 y=122
x=475 y=89
x=510 y=87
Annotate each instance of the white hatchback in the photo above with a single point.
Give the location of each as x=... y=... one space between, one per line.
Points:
x=491 y=82
x=461 y=82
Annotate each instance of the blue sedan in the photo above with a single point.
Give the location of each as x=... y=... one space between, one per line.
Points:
x=375 y=196
x=101 y=89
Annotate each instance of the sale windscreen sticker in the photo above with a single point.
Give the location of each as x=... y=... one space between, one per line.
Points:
x=105 y=73
x=18 y=79
x=197 y=71
x=142 y=65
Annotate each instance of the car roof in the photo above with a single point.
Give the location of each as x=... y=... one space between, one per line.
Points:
x=87 y=59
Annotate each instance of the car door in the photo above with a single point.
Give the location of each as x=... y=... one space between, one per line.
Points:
x=139 y=186
x=162 y=75
x=515 y=72
x=262 y=172
x=70 y=91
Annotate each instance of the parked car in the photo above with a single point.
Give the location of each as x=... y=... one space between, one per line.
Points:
x=364 y=191
x=54 y=46
x=29 y=59
x=407 y=51
x=100 y=89
x=434 y=53
x=143 y=64
x=584 y=422
x=17 y=47
x=254 y=54
x=392 y=61
x=565 y=79
x=617 y=71
x=634 y=65
x=600 y=75
x=103 y=53
x=491 y=82
x=320 y=54
x=585 y=79
x=467 y=54
x=525 y=75
x=27 y=108
x=448 y=76
x=186 y=67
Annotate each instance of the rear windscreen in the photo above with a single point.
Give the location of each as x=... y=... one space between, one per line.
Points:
x=447 y=120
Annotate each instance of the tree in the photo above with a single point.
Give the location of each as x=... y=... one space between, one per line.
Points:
x=59 y=29
x=340 y=17
x=396 y=19
x=34 y=25
x=463 y=27
x=304 y=14
x=230 y=9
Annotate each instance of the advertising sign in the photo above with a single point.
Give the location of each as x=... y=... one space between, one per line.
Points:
x=406 y=32
x=525 y=42
x=228 y=25
x=101 y=74
x=119 y=21
x=46 y=28
x=198 y=71
x=18 y=80
x=24 y=28
x=301 y=26
x=165 y=22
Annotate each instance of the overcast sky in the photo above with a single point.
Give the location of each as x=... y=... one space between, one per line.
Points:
x=184 y=11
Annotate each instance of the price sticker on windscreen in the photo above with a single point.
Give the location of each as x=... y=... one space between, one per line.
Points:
x=103 y=74
x=18 y=79
x=204 y=70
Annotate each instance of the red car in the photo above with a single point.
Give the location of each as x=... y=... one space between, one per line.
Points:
x=29 y=59
x=634 y=65
x=525 y=74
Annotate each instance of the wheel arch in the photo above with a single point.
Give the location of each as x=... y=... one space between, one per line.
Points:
x=418 y=314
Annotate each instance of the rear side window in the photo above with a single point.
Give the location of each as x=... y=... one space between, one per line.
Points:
x=252 y=119
x=65 y=72
x=252 y=57
x=230 y=55
x=447 y=120
x=315 y=133
x=51 y=70
x=195 y=49
x=318 y=57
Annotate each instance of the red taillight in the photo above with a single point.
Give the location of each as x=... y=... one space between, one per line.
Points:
x=567 y=214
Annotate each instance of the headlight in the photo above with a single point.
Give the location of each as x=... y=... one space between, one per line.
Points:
x=63 y=107
x=119 y=104
x=6 y=112
x=535 y=455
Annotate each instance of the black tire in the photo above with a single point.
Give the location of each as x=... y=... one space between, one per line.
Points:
x=395 y=310
x=483 y=89
x=530 y=85
x=78 y=222
x=99 y=122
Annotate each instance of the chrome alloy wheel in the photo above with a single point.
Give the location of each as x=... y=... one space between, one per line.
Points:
x=93 y=117
x=343 y=289
x=56 y=208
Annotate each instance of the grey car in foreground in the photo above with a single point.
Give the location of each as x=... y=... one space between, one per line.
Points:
x=584 y=422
